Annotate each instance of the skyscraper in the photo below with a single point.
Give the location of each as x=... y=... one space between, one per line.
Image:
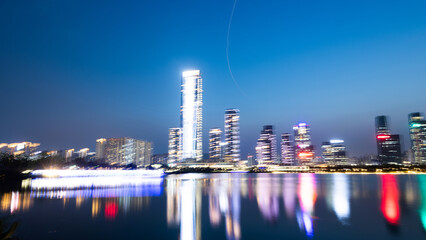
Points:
x=191 y=115
x=334 y=151
x=417 y=126
x=100 y=149
x=215 y=144
x=232 y=135
x=304 y=149
x=382 y=125
x=266 y=148
x=388 y=145
x=175 y=146
x=287 y=149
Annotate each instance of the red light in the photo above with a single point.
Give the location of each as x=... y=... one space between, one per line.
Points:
x=390 y=198
x=111 y=210
x=383 y=136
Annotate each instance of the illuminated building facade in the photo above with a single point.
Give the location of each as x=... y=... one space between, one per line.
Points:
x=100 y=149
x=191 y=115
x=24 y=148
x=215 y=135
x=232 y=135
x=68 y=154
x=175 y=146
x=388 y=145
x=82 y=153
x=417 y=126
x=125 y=151
x=287 y=149
x=334 y=152
x=304 y=149
x=266 y=148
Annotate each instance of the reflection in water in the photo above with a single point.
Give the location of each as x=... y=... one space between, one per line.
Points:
x=229 y=197
x=422 y=211
x=307 y=197
x=390 y=198
x=267 y=198
x=289 y=195
x=341 y=197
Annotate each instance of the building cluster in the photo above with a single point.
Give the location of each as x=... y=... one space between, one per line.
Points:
x=25 y=148
x=185 y=142
x=124 y=151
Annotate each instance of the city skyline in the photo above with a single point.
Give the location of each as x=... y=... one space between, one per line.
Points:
x=67 y=87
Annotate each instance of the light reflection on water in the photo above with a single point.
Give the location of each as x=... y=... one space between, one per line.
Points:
x=313 y=204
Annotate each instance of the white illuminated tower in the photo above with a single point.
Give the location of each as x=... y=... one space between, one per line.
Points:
x=232 y=135
x=191 y=116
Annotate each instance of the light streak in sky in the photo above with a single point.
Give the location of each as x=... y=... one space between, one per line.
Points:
x=227 y=49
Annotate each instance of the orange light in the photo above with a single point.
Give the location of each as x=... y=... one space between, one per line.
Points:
x=305 y=154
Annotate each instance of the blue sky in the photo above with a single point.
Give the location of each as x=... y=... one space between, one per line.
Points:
x=74 y=71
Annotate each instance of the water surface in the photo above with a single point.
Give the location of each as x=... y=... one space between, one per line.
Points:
x=221 y=206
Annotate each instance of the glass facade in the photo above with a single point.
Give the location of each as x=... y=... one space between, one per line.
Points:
x=232 y=135
x=304 y=149
x=215 y=135
x=191 y=115
x=287 y=149
x=266 y=148
x=417 y=126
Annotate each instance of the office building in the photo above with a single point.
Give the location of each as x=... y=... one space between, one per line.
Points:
x=125 y=151
x=334 y=152
x=266 y=148
x=175 y=146
x=232 y=135
x=287 y=149
x=100 y=149
x=417 y=127
x=215 y=135
x=304 y=150
x=191 y=115
x=68 y=155
x=388 y=145
x=82 y=153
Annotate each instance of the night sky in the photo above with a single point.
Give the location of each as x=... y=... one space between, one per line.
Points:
x=75 y=71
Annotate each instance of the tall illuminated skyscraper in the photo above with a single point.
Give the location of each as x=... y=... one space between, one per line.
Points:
x=302 y=143
x=266 y=149
x=215 y=144
x=287 y=149
x=417 y=126
x=191 y=115
x=175 y=146
x=232 y=135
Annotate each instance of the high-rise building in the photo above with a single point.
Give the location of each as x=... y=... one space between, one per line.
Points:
x=388 y=145
x=417 y=126
x=191 y=115
x=82 y=153
x=334 y=151
x=304 y=149
x=100 y=149
x=266 y=149
x=175 y=146
x=382 y=125
x=215 y=135
x=287 y=149
x=232 y=135
x=68 y=154
x=125 y=151
x=388 y=148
